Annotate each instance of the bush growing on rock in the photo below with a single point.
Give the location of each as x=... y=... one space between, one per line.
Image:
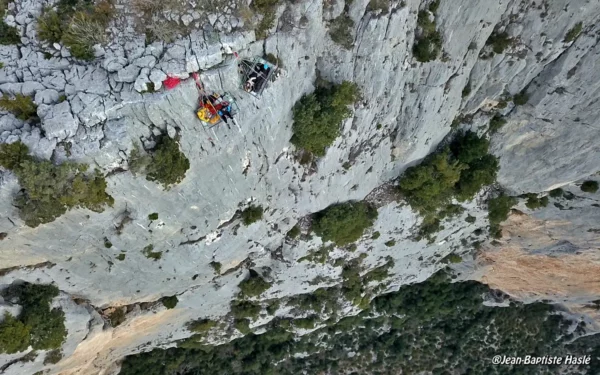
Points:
x=8 y=34
x=38 y=325
x=252 y=214
x=499 y=42
x=589 y=186
x=496 y=123
x=78 y=24
x=534 y=202
x=318 y=116
x=498 y=210
x=168 y=164
x=49 y=190
x=53 y=357
x=521 y=98
x=458 y=171
x=344 y=223
x=428 y=43
x=14 y=335
x=254 y=285
x=573 y=33
x=170 y=302
x=267 y=9
x=202 y=325
x=21 y=106
x=340 y=31
x=245 y=309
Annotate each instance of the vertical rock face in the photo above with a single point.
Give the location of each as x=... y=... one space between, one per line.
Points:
x=406 y=110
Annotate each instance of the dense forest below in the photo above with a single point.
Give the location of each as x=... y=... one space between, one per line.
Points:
x=434 y=326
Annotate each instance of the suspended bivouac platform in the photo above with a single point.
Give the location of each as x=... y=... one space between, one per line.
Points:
x=256 y=74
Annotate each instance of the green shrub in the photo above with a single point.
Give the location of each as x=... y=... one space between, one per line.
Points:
x=13 y=154
x=254 y=285
x=318 y=116
x=268 y=9
x=457 y=171
x=452 y=258
x=344 y=223
x=534 y=202
x=8 y=34
x=117 y=316
x=216 y=266
x=53 y=357
x=382 y=6
x=245 y=309
x=294 y=232
x=21 y=106
x=466 y=90
x=78 y=24
x=153 y=216
x=150 y=254
x=573 y=33
x=496 y=123
x=121 y=257
x=375 y=235
x=498 y=210
x=499 y=42
x=46 y=326
x=202 y=325
x=242 y=325
x=589 y=186
x=428 y=44
x=317 y=256
x=252 y=214
x=556 y=193
x=168 y=164
x=305 y=323
x=170 y=302
x=521 y=98
x=390 y=243
x=470 y=219
x=14 y=335
x=50 y=26
x=340 y=31
x=49 y=190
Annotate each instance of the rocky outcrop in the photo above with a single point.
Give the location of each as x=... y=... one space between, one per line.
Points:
x=406 y=110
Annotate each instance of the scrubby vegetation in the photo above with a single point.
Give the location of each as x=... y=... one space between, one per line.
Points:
x=8 y=34
x=534 y=201
x=457 y=171
x=573 y=33
x=149 y=253
x=252 y=214
x=344 y=223
x=253 y=286
x=49 y=190
x=498 y=210
x=170 y=302
x=21 y=106
x=318 y=116
x=38 y=325
x=294 y=232
x=428 y=42
x=216 y=266
x=499 y=42
x=521 y=98
x=496 y=123
x=78 y=24
x=340 y=31
x=117 y=316
x=202 y=325
x=168 y=164
x=381 y=6
x=423 y=328
x=589 y=186
x=267 y=9
x=153 y=216
x=556 y=193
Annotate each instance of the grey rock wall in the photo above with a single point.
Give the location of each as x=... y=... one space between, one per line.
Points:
x=546 y=143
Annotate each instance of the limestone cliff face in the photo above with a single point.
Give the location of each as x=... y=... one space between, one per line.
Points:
x=546 y=143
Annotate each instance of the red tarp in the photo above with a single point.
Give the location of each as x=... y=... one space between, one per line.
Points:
x=171 y=82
